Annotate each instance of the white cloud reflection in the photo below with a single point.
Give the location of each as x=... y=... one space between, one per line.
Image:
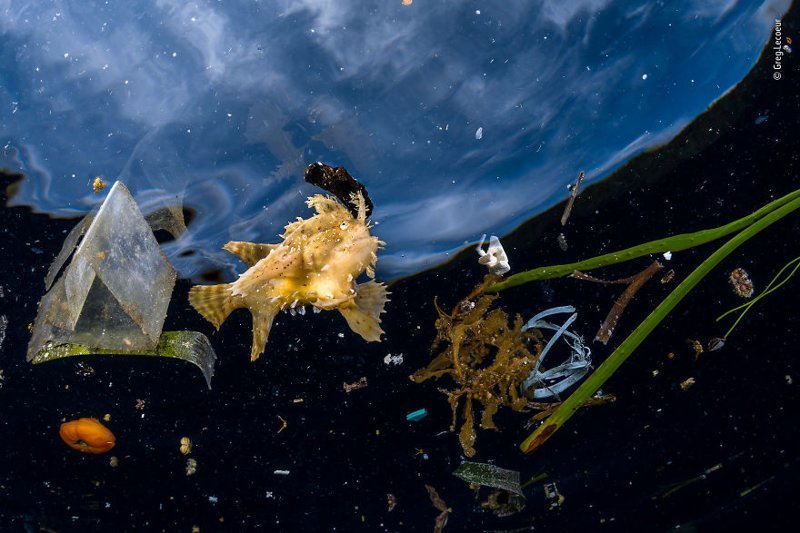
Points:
x=224 y=104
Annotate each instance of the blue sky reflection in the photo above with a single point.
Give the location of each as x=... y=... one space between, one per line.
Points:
x=222 y=104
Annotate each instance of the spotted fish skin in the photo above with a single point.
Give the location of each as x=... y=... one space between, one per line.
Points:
x=316 y=264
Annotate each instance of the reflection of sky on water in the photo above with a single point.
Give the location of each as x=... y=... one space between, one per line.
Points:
x=224 y=103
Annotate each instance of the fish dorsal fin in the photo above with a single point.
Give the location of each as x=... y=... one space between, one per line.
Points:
x=292 y=226
x=363 y=314
x=357 y=199
x=249 y=252
x=324 y=204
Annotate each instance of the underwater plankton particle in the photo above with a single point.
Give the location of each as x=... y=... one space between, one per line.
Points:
x=98 y=184
x=191 y=466
x=186 y=445
x=407 y=3
x=741 y=283
x=696 y=346
x=87 y=435
x=284 y=423
x=687 y=383
x=360 y=384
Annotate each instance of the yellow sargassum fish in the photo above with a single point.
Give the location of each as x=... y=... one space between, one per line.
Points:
x=316 y=264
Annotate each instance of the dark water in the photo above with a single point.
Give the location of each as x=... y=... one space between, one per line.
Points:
x=345 y=452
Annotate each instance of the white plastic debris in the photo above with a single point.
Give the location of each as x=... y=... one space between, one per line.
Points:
x=494 y=257
x=393 y=359
x=557 y=379
x=281 y=472
x=667 y=255
x=4 y=324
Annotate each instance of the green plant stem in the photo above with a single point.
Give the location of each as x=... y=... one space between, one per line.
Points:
x=770 y=288
x=535 y=479
x=627 y=347
x=675 y=243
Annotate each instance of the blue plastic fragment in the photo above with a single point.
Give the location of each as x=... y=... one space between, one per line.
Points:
x=417 y=415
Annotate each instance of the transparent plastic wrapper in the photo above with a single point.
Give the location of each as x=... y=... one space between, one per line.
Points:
x=113 y=295
x=191 y=346
x=489 y=476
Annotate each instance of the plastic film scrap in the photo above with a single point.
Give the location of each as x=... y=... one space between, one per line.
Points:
x=115 y=292
x=190 y=346
x=557 y=379
x=112 y=297
x=489 y=476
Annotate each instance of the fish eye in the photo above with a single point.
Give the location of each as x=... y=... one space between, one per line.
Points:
x=343 y=226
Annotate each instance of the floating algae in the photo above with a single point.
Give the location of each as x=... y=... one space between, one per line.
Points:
x=485 y=357
x=440 y=505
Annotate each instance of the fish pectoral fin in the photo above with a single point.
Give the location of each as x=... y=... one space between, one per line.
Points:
x=363 y=312
x=249 y=252
x=262 y=324
x=214 y=302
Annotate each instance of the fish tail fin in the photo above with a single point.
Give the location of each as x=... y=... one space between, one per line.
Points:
x=214 y=302
x=262 y=324
x=363 y=315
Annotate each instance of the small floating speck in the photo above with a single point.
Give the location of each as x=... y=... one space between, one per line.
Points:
x=479 y=134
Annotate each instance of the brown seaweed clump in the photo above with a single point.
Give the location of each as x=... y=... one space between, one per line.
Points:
x=485 y=356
